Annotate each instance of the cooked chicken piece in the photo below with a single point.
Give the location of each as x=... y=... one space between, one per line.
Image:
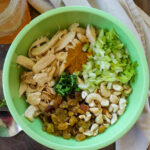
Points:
x=73 y=26
x=25 y=62
x=82 y=38
x=79 y=30
x=30 y=112
x=61 y=56
x=90 y=33
x=43 y=62
x=62 y=68
x=43 y=44
x=65 y=40
x=41 y=78
x=37 y=43
x=22 y=89
x=34 y=98
x=27 y=77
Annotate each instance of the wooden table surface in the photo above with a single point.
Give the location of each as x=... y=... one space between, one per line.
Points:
x=22 y=141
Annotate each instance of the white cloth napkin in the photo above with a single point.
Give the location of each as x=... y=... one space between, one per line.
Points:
x=138 y=138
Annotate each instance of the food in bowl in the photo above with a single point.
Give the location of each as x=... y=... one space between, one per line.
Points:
x=77 y=82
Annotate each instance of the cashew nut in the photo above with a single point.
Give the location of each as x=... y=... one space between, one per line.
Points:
x=88 y=133
x=94 y=127
x=104 y=91
x=86 y=117
x=95 y=111
x=114 y=118
x=105 y=103
x=128 y=91
x=93 y=96
x=122 y=103
x=106 y=119
x=113 y=108
x=121 y=111
x=108 y=115
x=93 y=131
x=84 y=94
x=92 y=104
x=117 y=87
x=117 y=93
x=114 y=99
x=99 y=119
x=122 y=106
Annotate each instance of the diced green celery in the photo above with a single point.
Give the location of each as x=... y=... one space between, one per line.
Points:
x=110 y=62
x=85 y=47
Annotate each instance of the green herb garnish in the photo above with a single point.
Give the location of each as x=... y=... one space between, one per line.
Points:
x=66 y=84
x=2 y=103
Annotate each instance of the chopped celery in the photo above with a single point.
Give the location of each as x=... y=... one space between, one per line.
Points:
x=85 y=47
x=110 y=62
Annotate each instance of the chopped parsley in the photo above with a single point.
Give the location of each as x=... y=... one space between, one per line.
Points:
x=66 y=84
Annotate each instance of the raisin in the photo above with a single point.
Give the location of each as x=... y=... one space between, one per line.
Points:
x=80 y=137
x=84 y=107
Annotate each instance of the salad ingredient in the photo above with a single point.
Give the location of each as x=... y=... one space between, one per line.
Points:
x=25 y=62
x=66 y=84
x=30 y=112
x=75 y=28
x=61 y=56
x=22 y=89
x=82 y=38
x=97 y=61
x=37 y=44
x=43 y=62
x=93 y=97
x=75 y=59
x=110 y=62
x=65 y=40
x=34 y=98
x=85 y=47
x=2 y=103
x=90 y=33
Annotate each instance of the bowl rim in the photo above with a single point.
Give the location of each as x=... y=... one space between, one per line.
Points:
x=8 y=59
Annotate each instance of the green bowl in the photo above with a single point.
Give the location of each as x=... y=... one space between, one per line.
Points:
x=50 y=22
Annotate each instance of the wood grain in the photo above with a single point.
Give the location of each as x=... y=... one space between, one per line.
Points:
x=144 y=4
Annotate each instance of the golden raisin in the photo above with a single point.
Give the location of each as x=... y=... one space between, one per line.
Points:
x=54 y=119
x=50 y=128
x=66 y=135
x=102 y=129
x=63 y=105
x=104 y=111
x=80 y=137
x=62 y=126
x=80 y=111
x=72 y=102
x=73 y=120
x=70 y=113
